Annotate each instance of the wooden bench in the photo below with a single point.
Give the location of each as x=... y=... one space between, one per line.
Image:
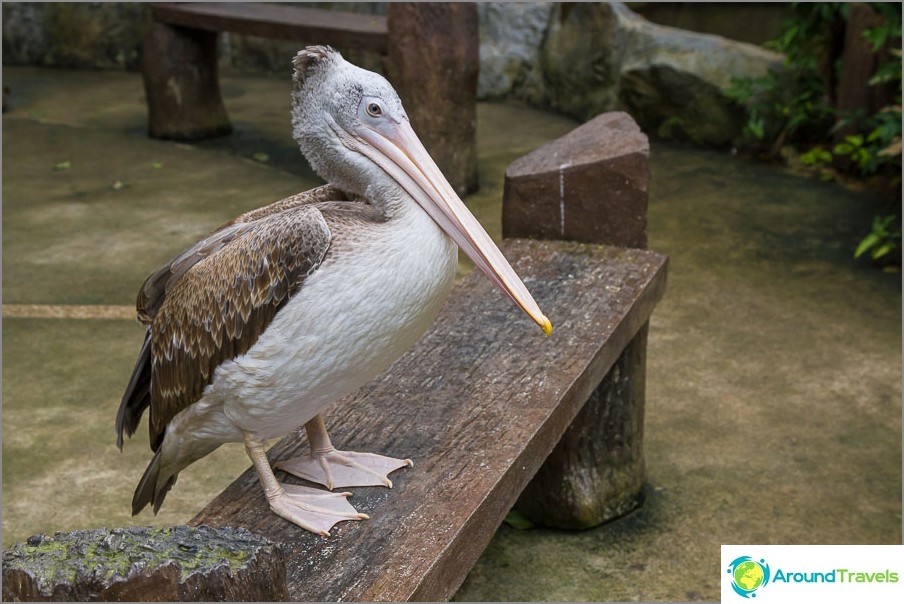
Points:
x=342 y=29
x=430 y=54
x=488 y=408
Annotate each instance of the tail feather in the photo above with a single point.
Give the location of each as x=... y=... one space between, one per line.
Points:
x=152 y=488
x=161 y=473
x=137 y=396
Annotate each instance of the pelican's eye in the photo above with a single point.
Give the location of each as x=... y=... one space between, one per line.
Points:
x=374 y=109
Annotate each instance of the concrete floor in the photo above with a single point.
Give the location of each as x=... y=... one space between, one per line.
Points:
x=774 y=364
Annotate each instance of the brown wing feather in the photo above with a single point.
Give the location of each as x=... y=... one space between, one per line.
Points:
x=273 y=259
x=152 y=293
x=319 y=195
x=220 y=306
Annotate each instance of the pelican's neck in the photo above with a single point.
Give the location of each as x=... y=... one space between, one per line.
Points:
x=356 y=175
x=388 y=196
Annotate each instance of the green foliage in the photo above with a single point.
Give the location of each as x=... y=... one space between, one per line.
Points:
x=793 y=103
x=795 y=106
x=518 y=521
x=817 y=156
x=883 y=238
x=852 y=145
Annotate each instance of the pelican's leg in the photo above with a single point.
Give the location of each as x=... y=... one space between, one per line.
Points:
x=313 y=510
x=331 y=468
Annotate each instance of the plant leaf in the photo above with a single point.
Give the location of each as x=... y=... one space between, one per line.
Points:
x=518 y=521
x=883 y=250
x=868 y=242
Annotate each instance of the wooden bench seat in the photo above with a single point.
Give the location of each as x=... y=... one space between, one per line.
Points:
x=478 y=404
x=303 y=25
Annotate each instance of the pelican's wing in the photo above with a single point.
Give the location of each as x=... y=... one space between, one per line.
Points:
x=154 y=289
x=320 y=194
x=216 y=300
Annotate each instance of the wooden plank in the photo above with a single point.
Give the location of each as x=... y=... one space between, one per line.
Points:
x=304 y=25
x=478 y=404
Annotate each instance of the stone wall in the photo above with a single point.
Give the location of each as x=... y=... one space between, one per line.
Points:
x=94 y=35
x=580 y=59
x=107 y=35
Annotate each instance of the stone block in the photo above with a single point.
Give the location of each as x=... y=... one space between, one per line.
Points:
x=590 y=185
x=601 y=56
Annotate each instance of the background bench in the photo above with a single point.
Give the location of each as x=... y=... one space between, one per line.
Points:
x=488 y=409
x=430 y=51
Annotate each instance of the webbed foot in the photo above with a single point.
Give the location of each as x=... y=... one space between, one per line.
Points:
x=331 y=468
x=337 y=469
x=312 y=509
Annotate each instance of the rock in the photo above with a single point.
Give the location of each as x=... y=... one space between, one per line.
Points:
x=24 y=33
x=591 y=185
x=145 y=564
x=602 y=57
x=510 y=39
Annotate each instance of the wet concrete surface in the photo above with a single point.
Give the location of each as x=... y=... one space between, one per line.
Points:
x=774 y=363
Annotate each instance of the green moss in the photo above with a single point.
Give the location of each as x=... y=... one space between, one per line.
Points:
x=116 y=554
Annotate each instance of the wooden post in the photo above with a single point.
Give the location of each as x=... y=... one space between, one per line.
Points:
x=591 y=185
x=858 y=63
x=433 y=63
x=181 y=82
x=179 y=563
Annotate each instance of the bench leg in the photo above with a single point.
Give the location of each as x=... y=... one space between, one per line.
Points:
x=596 y=473
x=433 y=61
x=179 y=68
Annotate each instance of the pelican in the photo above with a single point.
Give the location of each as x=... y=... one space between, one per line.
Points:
x=256 y=329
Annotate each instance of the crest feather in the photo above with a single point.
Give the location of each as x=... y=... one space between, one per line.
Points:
x=310 y=58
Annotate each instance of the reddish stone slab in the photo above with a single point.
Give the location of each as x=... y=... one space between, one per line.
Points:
x=590 y=185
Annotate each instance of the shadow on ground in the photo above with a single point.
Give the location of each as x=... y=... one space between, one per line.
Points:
x=774 y=367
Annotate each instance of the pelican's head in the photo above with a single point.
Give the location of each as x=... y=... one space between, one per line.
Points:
x=351 y=126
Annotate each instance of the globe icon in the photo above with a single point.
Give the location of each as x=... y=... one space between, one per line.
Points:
x=748 y=575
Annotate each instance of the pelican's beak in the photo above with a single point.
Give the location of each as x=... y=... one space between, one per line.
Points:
x=396 y=148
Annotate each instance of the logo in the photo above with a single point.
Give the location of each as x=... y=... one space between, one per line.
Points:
x=811 y=573
x=748 y=575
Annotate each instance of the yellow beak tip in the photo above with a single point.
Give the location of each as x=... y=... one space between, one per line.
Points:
x=546 y=326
